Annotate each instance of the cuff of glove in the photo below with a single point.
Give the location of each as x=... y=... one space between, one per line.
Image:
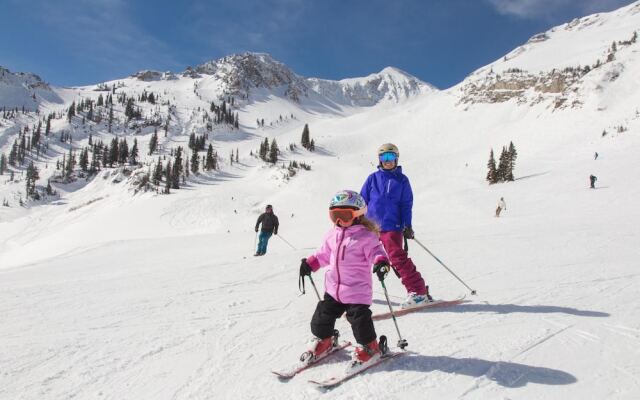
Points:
x=313 y=263
x=380 y=259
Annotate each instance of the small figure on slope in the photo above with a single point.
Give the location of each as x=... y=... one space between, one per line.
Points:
x=348 y=251
x=501 y=206
x=388 y=194
x=592 y=180
x=270 y=225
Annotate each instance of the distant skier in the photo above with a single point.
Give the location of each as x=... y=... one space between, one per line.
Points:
x=270 y=225
x=388 y=194
x=352 y=244
x=592 y=180
x=595 y=156
x=501 y=206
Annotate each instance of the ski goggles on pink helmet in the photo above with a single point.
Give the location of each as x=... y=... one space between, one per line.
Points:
x=344 y=214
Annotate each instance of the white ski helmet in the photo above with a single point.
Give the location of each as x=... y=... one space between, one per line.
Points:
x=388 y=148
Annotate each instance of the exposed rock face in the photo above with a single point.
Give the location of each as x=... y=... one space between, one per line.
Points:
x=148 y=75
x=240 y=73
x=521 y=86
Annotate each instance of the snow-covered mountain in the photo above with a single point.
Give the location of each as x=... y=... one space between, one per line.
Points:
x=18 y=90
x=110 y=294
x=240 y=74
x=562 y=66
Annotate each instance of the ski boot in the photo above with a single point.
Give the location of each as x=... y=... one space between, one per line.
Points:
x=319 y=347
x=414 y=299
x=365 y=353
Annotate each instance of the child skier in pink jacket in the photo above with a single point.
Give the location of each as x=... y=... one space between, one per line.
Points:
x=349 y=250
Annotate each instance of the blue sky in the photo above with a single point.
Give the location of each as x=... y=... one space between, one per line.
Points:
x=77 y=42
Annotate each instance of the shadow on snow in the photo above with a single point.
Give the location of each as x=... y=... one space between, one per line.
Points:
x=505 y=309
x=503 y=373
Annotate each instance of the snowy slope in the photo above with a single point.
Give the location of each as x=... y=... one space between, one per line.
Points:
x=24 y=90
x=109 y=295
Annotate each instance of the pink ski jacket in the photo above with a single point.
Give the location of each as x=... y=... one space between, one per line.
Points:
x=349 y=254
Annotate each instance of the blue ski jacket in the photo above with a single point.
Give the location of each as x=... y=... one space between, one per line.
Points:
x=389 y=199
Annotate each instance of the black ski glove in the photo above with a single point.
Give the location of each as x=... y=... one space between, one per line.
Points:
x=408 y=233
x=381 y=269
x=305 y=269
x=275 y=232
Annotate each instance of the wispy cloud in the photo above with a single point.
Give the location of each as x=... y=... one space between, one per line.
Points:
x=101 y=32
x=536 y=9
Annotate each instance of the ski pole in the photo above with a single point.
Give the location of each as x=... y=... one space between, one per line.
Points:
x=402 y=343
x=314 y=288
x=255 y=241
x=284 y=240
x=473 y=292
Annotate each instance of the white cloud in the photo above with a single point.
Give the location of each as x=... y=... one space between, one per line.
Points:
x=534 y=9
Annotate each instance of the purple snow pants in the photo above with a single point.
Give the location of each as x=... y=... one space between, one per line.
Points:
x=409 y=275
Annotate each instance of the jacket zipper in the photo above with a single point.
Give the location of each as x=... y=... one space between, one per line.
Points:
x=337 y=267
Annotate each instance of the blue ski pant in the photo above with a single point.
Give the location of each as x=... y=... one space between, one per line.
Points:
x=263 y=239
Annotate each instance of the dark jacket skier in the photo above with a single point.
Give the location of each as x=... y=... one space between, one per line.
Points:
x=593 y=180
x=270 y=225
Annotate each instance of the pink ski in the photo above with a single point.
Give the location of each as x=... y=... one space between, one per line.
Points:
x=432 y=304
x=302 y=365
x=353 y=371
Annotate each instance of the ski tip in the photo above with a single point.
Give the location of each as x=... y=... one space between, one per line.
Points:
x=281 y=376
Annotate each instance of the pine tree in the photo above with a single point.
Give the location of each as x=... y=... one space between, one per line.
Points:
x=264 y=149
x=195 y=163
x=71 y=112
x=84 y=159
x=492 y=176
x=113 y=152
x=177 y=169
x=273 y=152
x=71 y=162
x=36 y=135
x=502 y=165
x=3 y=163
x=13 y=154
x=306 y=137
x=110 y=117
x=210 y=163
x=123 y=152
x=133 y=154
x=512 y=155
x=157 y=173
x=30 y=181
x=129 y=110
x=168 y=178
x=153 y=143
x=22 y=149
x=47 y=128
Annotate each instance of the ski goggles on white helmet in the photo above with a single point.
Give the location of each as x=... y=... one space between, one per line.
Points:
x=388 y=156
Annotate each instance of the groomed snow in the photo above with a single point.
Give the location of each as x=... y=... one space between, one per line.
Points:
x=105 y=295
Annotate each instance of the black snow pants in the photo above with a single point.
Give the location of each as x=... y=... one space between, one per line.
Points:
x=358 y=315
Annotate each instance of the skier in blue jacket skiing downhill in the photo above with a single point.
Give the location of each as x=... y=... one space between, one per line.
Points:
x=389 y=199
